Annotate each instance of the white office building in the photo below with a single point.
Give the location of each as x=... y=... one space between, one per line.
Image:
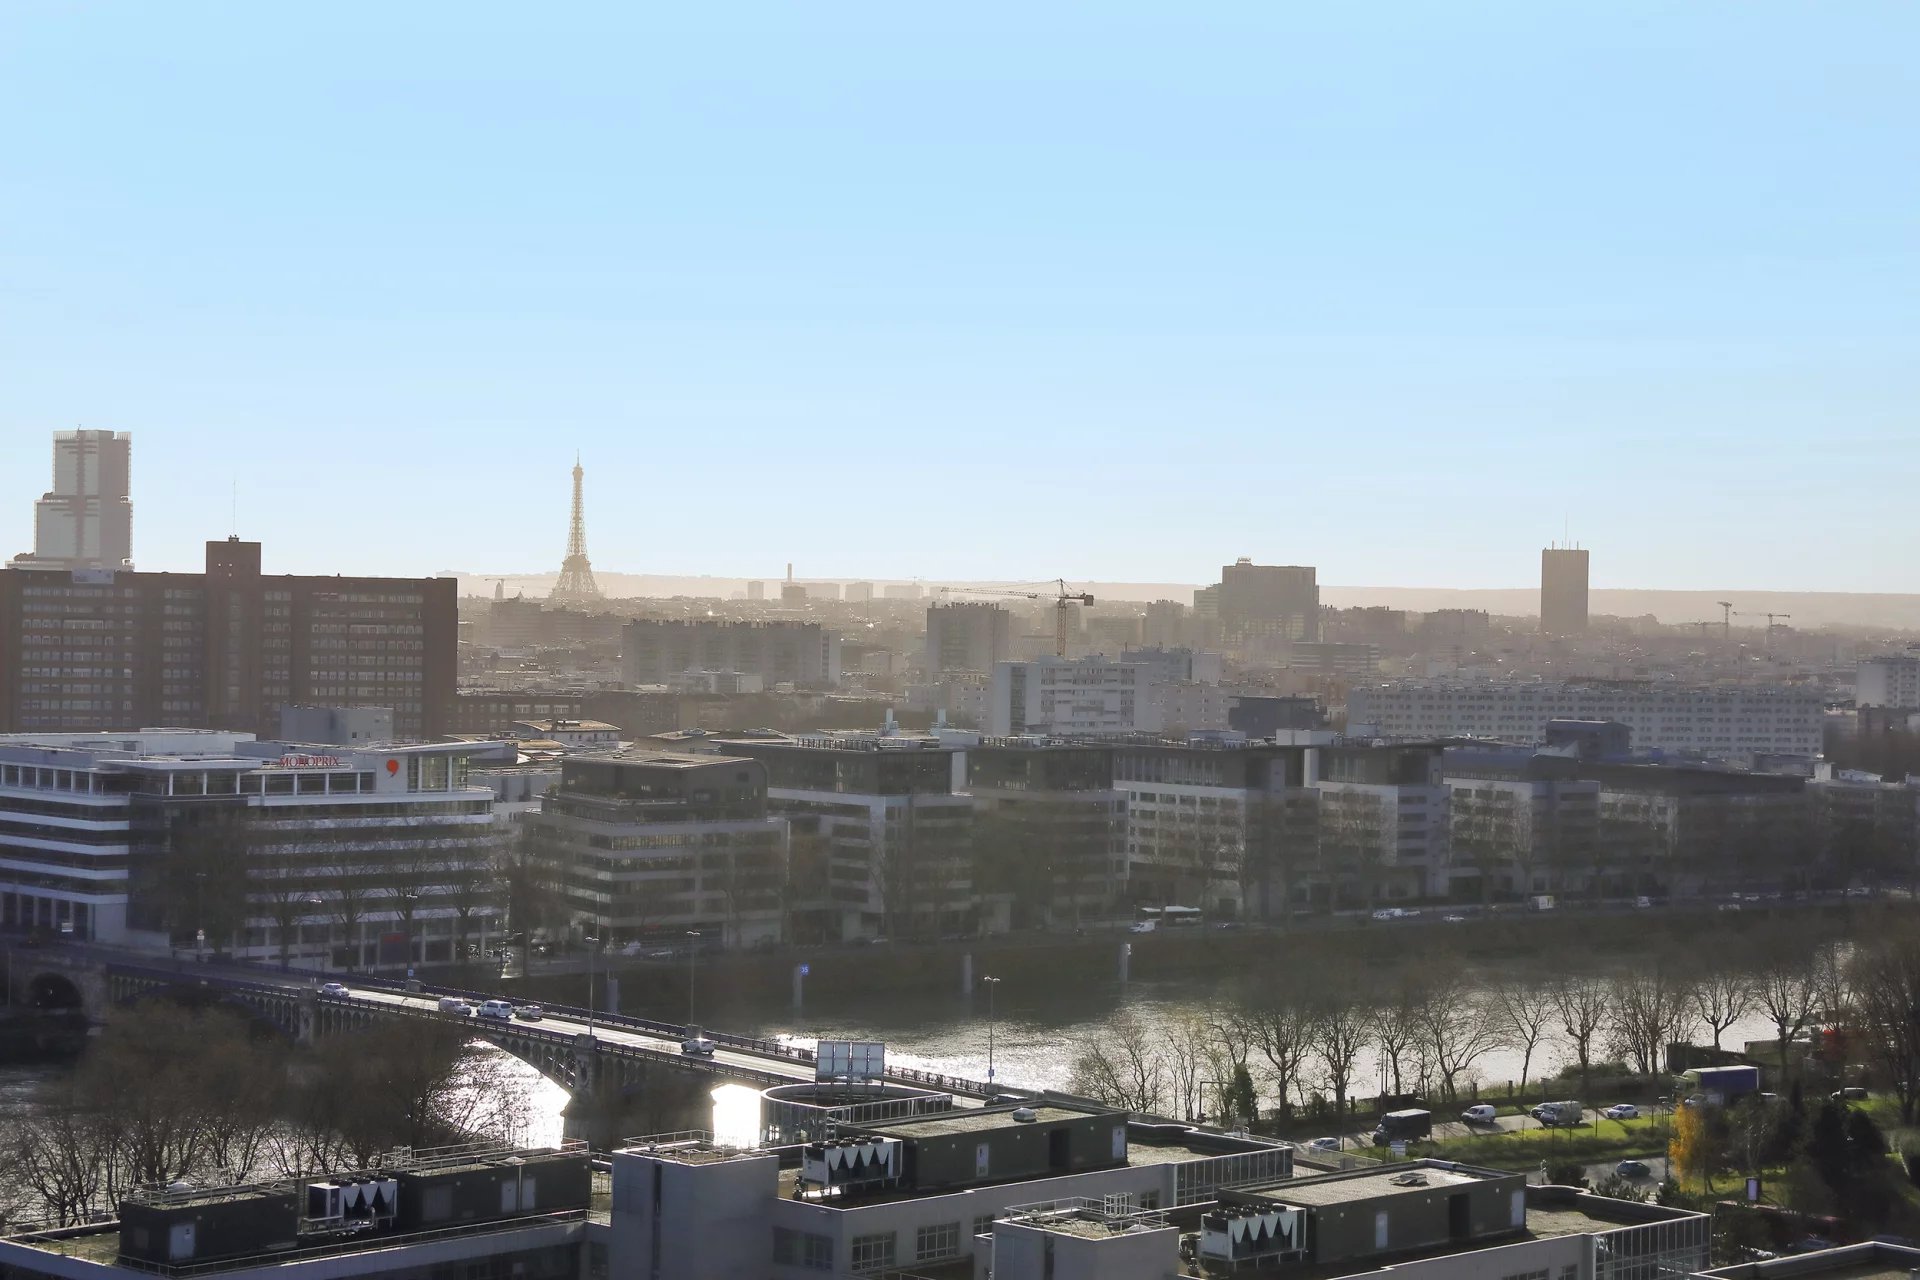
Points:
x=1889 y=681
x=1071 y=697
x=86 y=520
x=194 y=838
x=1721 y=721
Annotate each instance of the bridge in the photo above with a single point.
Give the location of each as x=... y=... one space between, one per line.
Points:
x=579 y=1048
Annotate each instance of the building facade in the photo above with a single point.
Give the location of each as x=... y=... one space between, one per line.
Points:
x=1071 y=697
x=1050 y=828
x=639 y=845
x=803 y=653
x=86 y=520
x=1383 y=822
x=967 y=635
x=1260 y=604
x=881 y=844
x=1722 y=721
x=172 y=840
x=221 y=650
x=1889 y=681
x=1520 y=823
x=1563 y=591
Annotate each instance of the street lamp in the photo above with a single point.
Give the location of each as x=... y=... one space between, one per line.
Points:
x=693 y=962
x=991 y=984
x=593 y=945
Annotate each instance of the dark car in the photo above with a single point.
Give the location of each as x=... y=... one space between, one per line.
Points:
x=1633 y=1169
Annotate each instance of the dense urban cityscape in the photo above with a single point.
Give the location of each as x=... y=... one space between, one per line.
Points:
x=1000 y=643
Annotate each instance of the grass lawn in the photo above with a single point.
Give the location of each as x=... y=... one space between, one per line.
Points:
x=1612 y=1138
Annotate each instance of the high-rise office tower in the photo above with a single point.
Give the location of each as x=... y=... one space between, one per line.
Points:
x=86 y=520
x=1269 y=601
x=1563 y=591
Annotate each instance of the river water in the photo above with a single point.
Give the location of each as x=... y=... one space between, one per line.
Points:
x=1035 y=1035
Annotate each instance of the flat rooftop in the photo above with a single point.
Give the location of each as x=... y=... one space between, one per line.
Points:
x=975 y=1121
x=1372 y=1184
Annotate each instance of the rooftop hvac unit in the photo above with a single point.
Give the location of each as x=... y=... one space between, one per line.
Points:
x=352 y=1202
x=1240 y=1235
x=852 y=1162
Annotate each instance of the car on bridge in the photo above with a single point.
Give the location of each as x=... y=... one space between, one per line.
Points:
x=498 y=1010
x=455 y=1005
x=335 y=990
x=696 y=1045
x=529 y=1012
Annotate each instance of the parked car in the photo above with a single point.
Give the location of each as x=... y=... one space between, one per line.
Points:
x=1852 y=1093
x=337 y=990
x=454 y=1004
x=1479 y=1113
x=1454 y=919
x=499 y=1010
x=1622 y=1111
x=1324 y=1144
x=1143 y=926
x=1642 y=902
x=529 y=1012
x=1728 y=906
x=1633 y=1169
x=1388 y=913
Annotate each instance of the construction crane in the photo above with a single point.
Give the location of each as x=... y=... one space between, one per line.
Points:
x=1061 y=597
x=1726 y=619
x=1771 y=624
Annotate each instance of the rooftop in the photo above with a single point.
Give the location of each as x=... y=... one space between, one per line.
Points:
x=977 y=1120
x=1366 y=1184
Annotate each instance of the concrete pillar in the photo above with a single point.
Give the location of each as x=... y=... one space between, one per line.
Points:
x=1126 y=960
x=799 y=987
x=610 y=994
x=966 y=974
x=307 y=1020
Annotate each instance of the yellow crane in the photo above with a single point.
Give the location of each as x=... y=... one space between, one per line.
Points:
x=1062 y=596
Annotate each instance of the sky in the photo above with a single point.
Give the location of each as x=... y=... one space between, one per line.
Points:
x=990 y=291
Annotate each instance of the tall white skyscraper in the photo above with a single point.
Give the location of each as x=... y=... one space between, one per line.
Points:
x=86 y=521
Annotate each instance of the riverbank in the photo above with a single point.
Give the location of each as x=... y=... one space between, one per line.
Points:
x=1537 y=943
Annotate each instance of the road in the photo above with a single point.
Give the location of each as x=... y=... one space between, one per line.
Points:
x=661 y=1044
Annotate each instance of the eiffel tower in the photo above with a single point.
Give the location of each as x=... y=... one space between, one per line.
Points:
x=576 y=584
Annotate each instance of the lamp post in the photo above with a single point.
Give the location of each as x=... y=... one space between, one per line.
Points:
x=593 y=945
x=991 y=984
x=693 y=964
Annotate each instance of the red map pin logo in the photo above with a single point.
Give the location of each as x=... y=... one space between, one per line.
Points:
x=393 y=766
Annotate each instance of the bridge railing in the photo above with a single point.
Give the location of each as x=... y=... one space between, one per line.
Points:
x=275 y=980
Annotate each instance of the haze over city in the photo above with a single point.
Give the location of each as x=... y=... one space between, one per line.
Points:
x=1111 y=642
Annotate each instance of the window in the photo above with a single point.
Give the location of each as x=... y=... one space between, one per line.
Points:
x=873 y=1253
x=932 y=1244
x=983 y=1225
x=802 y=1249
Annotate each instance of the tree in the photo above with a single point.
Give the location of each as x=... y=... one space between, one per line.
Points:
x=1649 y=1009
x=1122 y=1066
x=1339 y=1025
x=1396 y=1031
x=1456 y=1027
x=61 y=1152
x=1525 y=1010
x=1691 y=1152
x=1282 y=840
x=198 y=878
x=1282 y=1030
x=1186 y=1048
x=1786 y=991
x=1885 y=977
x=1721 y=998
x=1580 y=1002
x=471 y=888
x=1242 y=1101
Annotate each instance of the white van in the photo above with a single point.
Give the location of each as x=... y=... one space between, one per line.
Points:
x=454 y=1004
x=501 y=1010
x=1479 y=1113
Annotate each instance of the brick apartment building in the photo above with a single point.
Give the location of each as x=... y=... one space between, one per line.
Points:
x=91 y=650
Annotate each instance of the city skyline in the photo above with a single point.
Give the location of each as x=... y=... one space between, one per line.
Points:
x=1404 y=299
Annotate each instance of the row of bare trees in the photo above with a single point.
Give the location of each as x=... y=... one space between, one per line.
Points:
x=167 y=1093
x=1427 y=1031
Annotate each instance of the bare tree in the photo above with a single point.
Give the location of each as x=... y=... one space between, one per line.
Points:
x=61 y=1154
x=1283 y=1032
x=1121 y=1066
x=1186 y=1049
x=1339 y=1026
x=1580 y=1004
x=1396 y=1031
x=1721 y=998
x=1786 y=991
x=1525 y=1010
x=1457 y=1028
x=1649 y=1010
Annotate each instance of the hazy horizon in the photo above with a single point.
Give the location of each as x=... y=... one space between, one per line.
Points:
x=1003 y=293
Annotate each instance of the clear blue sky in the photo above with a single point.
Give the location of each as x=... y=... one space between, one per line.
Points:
x=993 y=291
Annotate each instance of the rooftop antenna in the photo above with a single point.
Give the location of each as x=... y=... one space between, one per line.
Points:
x=233 y=521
